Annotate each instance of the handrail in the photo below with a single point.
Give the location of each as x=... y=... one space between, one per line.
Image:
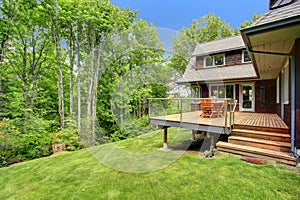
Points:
x=188 y=98
x=181 y=109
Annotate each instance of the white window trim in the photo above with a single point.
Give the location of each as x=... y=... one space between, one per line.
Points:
x=211 y=85
x=243 y=57
x=213 y=57
x=241 y=97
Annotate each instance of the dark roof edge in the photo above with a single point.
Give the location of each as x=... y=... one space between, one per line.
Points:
x=222 y=51
x=215 y=80
x=270 y=26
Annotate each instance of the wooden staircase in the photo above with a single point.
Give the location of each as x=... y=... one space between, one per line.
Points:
x=270 y=143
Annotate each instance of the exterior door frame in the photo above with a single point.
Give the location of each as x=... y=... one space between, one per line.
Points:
x=241 y=98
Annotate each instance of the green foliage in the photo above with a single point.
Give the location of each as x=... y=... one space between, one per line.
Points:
x=78 y=175
x=132 y=128
x=22 y=140
x=69 y=136
x=38 y=38
x=248 y=23
x=133 y=71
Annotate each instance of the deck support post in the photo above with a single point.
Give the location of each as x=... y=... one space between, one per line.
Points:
x=165 y=147
x=211 y=140
x=193 y=135
x=293 y=104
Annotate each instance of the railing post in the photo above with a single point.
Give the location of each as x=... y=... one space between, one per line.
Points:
x=226 y=109
x=149 y=104
x=180 y=101
x=231 y=104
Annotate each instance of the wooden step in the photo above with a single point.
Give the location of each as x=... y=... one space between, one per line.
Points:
x=280 y=157
x=262 y=128
x=281 y=137
x=259 y=143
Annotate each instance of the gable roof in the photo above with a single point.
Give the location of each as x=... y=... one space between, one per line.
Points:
x=236 y=72
x=219 y=46
x=282 y=13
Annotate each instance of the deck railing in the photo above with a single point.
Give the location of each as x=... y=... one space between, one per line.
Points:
x=164 y=107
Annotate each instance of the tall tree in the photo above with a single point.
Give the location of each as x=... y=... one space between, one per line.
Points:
x=31 y=48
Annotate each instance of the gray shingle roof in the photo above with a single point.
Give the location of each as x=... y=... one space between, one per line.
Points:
x=289 y=11
x=278 y=3
x=219 y=46
x=241 y=72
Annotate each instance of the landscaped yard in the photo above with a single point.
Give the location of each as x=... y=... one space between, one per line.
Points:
x=79 y=175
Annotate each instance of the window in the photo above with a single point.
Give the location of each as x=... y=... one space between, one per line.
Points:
x=285 y=85
x=214 y=61
x=246 y=57
x=196 y=92
x=209 y=62
x=222 y=91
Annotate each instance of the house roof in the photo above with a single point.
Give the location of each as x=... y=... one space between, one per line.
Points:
x=272 y=34
x=219 y=46
x=279 y=3
x=282 y=13
x=236 y=72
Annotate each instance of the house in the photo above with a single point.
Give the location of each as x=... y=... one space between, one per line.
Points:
x=260 y=69
x=223 y=69
x=274 y=45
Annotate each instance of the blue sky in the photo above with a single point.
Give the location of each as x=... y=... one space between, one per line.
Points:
x=175 y=14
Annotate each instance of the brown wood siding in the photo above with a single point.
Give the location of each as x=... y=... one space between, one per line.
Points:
x=297 y=74
x=233 y=58
x=265 y=96
x=199 y=62
x=205 y=91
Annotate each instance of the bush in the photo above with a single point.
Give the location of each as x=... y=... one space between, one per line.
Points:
x=23 y=139
x=69 y=138
x=132 y=128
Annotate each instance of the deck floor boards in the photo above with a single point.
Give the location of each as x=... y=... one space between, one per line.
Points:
x=240 y=118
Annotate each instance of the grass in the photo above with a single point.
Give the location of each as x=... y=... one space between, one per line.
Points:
x=87 y=174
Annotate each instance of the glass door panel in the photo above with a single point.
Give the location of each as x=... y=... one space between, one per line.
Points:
x=247 y=98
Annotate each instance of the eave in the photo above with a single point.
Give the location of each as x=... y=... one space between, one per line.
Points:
x=276 y=39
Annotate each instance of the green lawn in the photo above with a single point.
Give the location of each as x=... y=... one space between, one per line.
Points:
x=162 y=175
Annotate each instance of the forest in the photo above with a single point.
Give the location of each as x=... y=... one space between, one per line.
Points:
x=79 y=73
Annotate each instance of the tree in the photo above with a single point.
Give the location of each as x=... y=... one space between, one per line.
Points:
x=132 y=67
x=205 y=29
x=249 y=22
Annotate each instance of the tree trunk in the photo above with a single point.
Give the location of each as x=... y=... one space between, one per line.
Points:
x=57 y=43
x=78 y=84
x=94 y=91
x=90 y=76
x=71 y=57
x=60 y=87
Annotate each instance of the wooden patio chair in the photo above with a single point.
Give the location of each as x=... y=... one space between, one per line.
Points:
x=206 y=105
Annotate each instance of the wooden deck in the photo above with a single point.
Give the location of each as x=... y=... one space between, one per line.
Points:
x=260 y=135
x=259 y=120
x=240 y=118
x=193 y=121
